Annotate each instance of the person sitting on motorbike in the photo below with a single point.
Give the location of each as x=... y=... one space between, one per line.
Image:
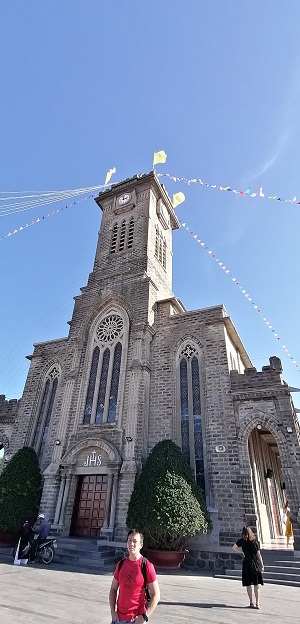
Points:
x=24 y=544
x=41 y=533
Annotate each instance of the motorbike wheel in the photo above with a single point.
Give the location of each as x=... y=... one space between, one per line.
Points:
x=47 y=554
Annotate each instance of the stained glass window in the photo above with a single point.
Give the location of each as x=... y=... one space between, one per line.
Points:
x=198 y=441
x=41 y=413
x=102 y=394
x=102 y=387
x=190 y=412
x=184 y=404
x=91 y=387
x=48 y=417
x=113 y=395
x=130 y=234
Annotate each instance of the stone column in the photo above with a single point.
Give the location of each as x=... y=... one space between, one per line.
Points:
x=108 y=501
x=59 y=500
x=65 y=499
x=113 y=504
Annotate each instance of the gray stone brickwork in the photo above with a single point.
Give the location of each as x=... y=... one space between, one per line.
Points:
x=136 y=285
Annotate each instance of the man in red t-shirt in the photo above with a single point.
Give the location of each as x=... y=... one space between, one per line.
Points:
x=127 y=597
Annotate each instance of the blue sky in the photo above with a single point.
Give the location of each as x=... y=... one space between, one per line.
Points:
x=86 y=86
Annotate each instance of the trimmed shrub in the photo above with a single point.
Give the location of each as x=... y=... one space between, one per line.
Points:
x=166 y=504
x=20 y=490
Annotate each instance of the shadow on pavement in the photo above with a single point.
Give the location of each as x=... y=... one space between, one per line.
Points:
x=201 y=605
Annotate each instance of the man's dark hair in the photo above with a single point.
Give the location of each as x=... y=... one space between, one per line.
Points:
x=132 y=531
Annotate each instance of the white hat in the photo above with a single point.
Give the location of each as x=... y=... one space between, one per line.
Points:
x=41 y=516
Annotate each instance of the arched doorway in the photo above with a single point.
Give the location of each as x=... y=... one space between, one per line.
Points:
x=268 y=485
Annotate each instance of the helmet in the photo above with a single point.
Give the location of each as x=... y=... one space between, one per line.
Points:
x=42 y=516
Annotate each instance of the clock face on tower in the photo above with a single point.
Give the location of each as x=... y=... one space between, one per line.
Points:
x=124 y=199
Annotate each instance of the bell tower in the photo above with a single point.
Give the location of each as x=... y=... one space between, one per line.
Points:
x=135 y=238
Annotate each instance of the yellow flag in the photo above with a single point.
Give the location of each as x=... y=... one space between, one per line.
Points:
x=178 y=198
x=109 y=174
x=159 y=157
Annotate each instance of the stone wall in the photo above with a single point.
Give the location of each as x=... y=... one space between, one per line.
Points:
x=8 y=414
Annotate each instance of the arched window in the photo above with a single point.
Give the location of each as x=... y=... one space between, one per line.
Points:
x=190 y=412
x=91 y=386
x=130 y=234
x=45 y=411
x=164 y=256
x=156 y=241
x=114 y=238
x=102 y=394
x=122 y=236
x=160 y=248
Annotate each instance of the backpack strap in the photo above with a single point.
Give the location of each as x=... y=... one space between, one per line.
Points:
x=120 y=563
x=144 y=573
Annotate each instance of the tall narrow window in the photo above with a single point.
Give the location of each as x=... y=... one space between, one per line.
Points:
x=184 y=410
x=156 y=242
x=114 y=238
x=198 y=441
x=45 y=411
x=130 y=234
x=91 y=387
x=41 y=413
x=122 y=236
x=102 y=387
x=164 y=256
x=190 y=412
x=160 y=252
x=102 y=394
x=48 y=417
x=113 y=395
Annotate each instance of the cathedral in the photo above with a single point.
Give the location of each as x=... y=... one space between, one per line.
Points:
x=138 y=367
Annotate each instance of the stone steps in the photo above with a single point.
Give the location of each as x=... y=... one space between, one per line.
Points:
x=78 y=554
x=280 y=567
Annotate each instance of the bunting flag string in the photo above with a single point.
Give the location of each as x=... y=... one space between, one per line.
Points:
x=243 y=290
x=39 y=220
x=244 y=193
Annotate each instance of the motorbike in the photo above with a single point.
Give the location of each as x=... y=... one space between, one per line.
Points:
x=44 y=552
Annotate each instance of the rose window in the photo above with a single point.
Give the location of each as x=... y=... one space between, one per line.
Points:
x=110 y=328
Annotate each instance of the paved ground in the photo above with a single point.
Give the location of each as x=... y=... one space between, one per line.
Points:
x=46 y=595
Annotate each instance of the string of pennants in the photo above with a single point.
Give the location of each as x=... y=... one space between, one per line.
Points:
x=245 y=193
x=39 y=220
x=178 y=198
x=246 y=294
x=161 y=157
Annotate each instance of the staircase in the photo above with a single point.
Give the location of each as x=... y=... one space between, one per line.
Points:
x=86 y=554
x=83 y=555
x=281 y=568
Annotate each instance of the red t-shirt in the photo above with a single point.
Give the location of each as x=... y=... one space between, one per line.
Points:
x=131 y=598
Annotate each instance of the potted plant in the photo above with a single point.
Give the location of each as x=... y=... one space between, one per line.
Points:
x=166 y=505
x=20 y=493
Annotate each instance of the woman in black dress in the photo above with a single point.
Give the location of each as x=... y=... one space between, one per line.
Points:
x=252 y=564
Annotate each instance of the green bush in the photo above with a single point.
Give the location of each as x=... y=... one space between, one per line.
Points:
x=20 y=490
x=166 y=504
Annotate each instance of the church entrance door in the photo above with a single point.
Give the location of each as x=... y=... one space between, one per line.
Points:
x=267 y=484
x=90 y=504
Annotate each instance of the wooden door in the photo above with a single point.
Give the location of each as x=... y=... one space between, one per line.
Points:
x=90 y=504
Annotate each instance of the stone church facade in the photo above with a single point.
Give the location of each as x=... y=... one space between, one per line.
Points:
x=136 y=368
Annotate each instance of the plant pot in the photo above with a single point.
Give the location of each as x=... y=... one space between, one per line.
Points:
x=8 y=539
x=165 y=558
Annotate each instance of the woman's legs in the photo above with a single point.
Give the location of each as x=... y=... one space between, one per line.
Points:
x=256 y=593
x=249 y=592
x=287 y=542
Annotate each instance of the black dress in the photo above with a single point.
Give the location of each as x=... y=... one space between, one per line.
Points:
x=251 y=573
